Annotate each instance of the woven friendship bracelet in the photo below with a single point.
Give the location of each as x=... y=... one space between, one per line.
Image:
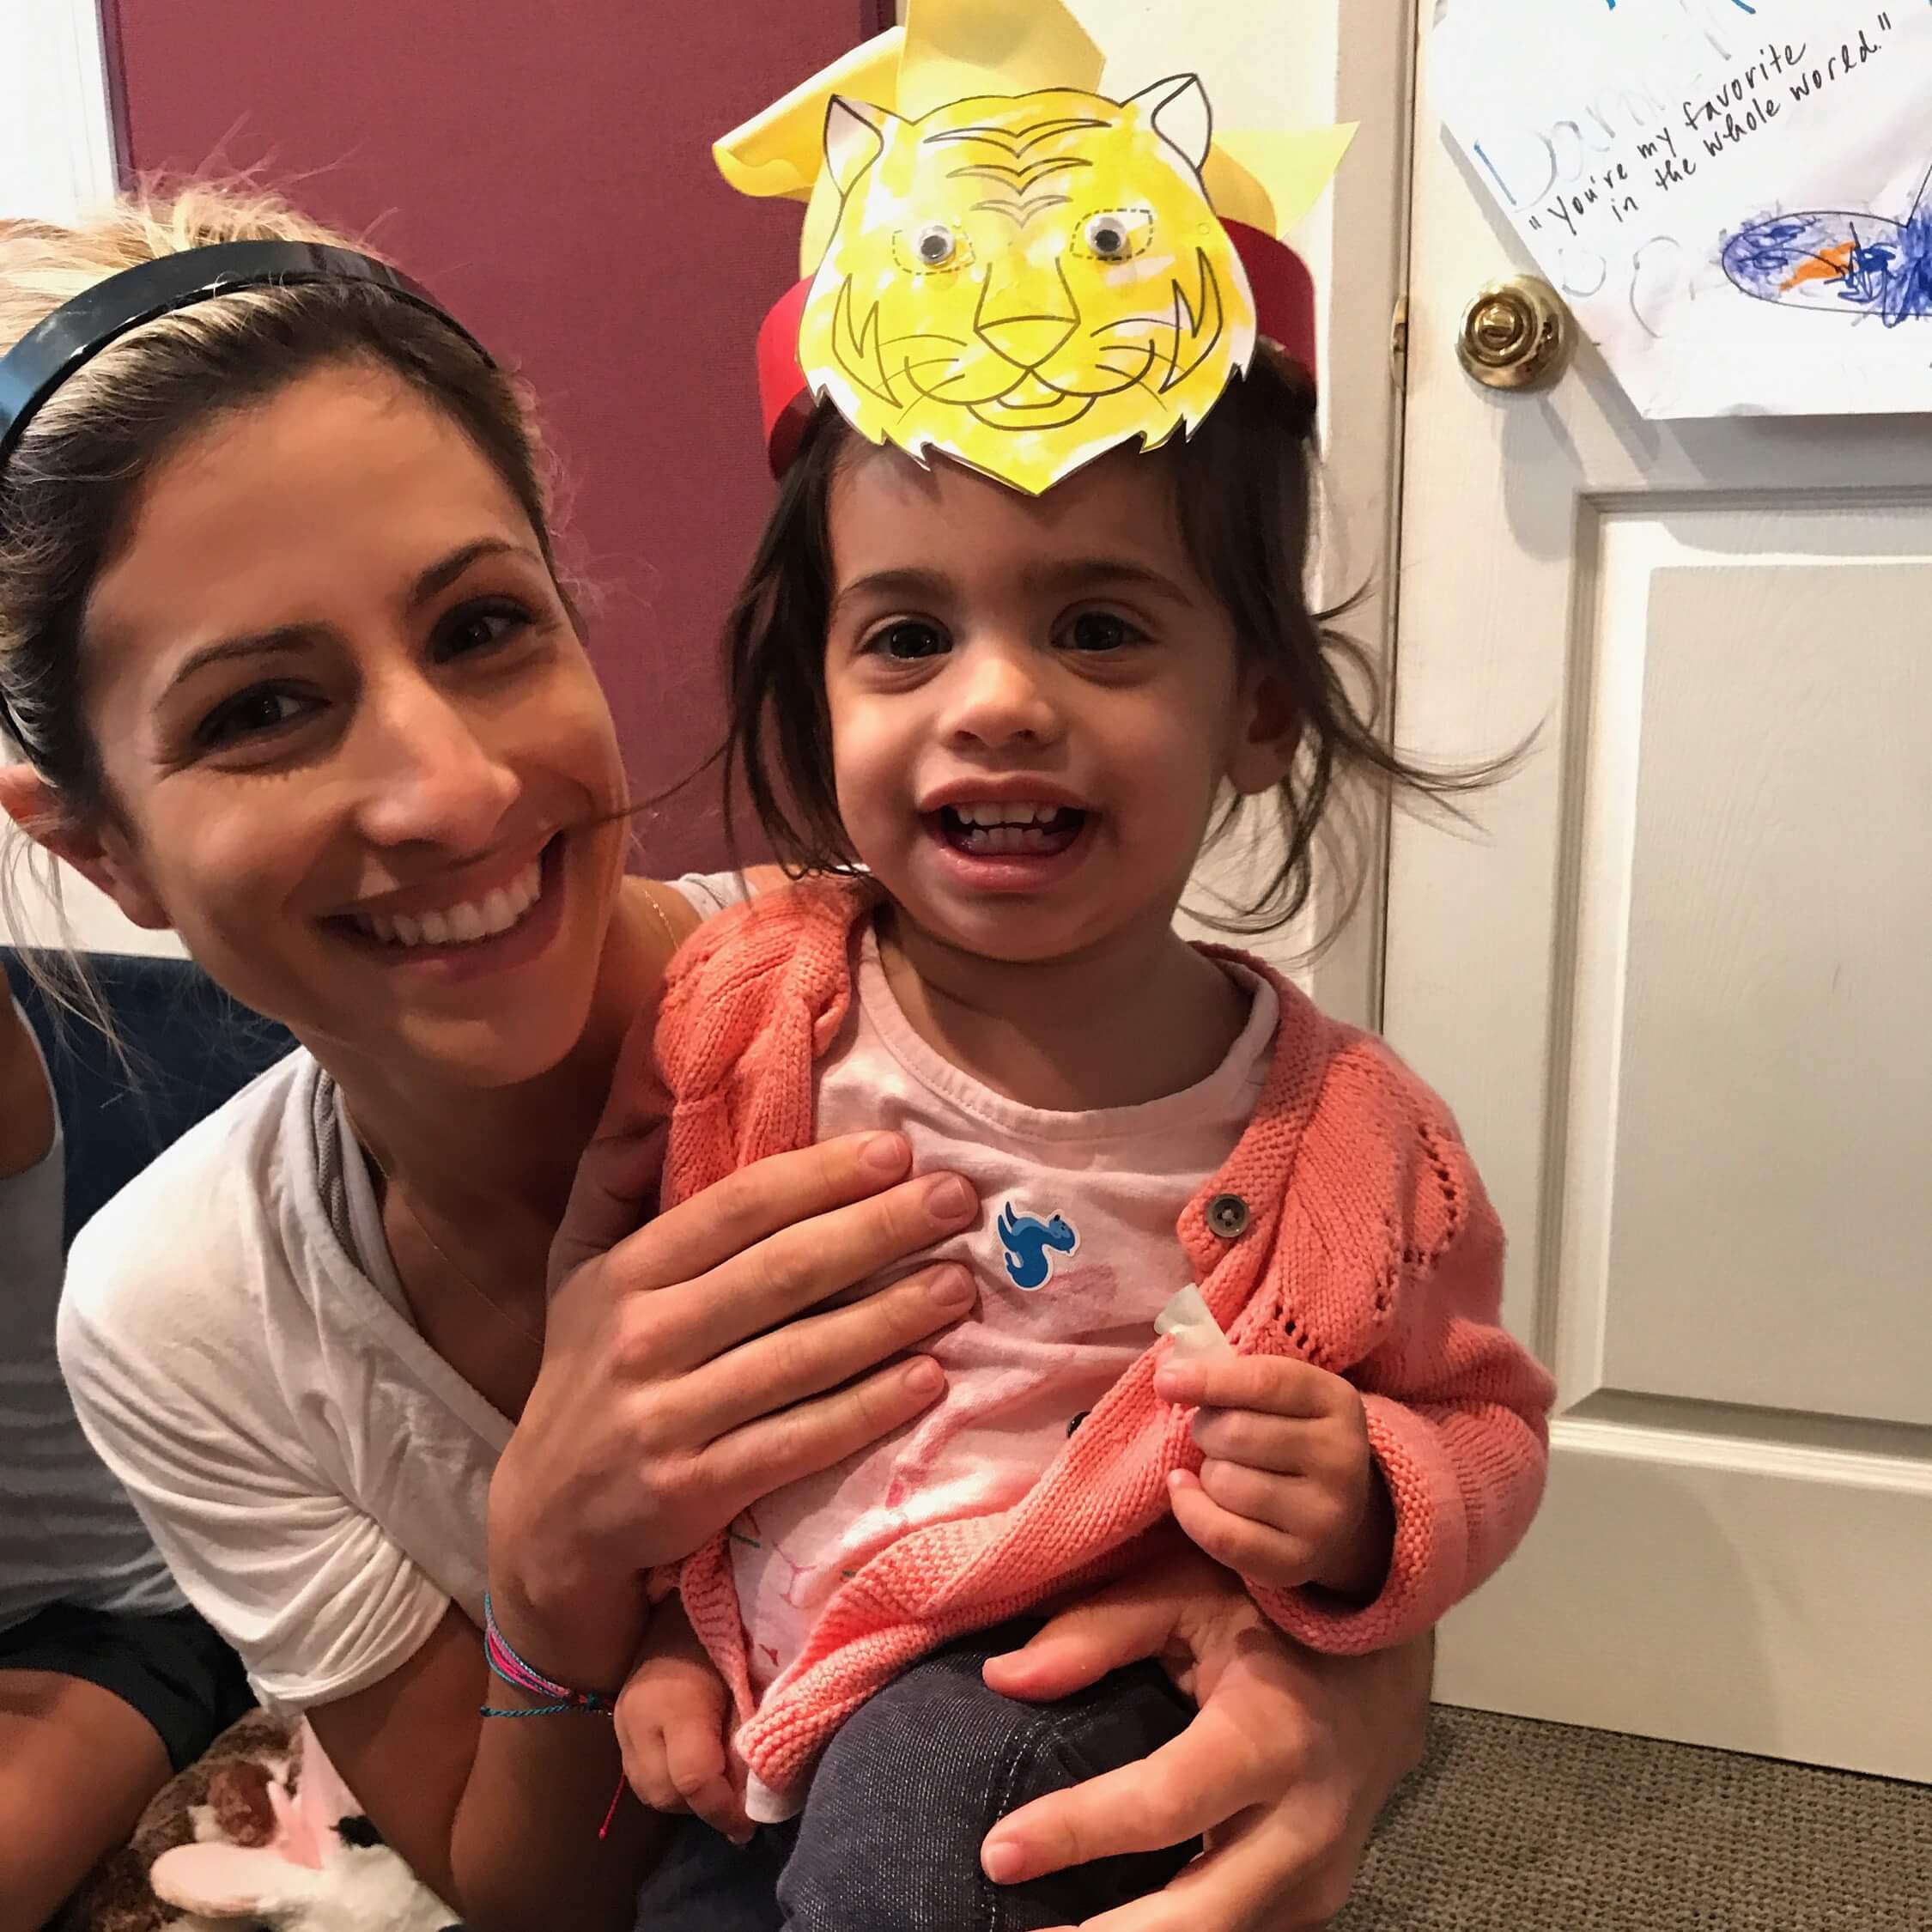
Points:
x=504 y=1663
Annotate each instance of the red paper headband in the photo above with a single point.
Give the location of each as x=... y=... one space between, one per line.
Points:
x=1283 y=288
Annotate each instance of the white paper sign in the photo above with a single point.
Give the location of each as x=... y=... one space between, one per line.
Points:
x=1732 y=197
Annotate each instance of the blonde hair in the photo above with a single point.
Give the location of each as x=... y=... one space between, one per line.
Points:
x=66 y=488
x=43 y=265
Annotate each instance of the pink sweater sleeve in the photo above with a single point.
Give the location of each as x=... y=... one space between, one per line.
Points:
x=1457 y=1410
x=749 y=1003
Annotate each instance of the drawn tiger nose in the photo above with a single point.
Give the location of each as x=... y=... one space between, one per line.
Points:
x=1026 y=311
x=1028 y=340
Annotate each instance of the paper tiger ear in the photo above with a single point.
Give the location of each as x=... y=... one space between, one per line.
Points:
x=855 y=134
x=1178 y=109
x=1181 y=114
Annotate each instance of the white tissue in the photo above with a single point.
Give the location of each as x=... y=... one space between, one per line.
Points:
x=1195 y=1335
x=764 y=1805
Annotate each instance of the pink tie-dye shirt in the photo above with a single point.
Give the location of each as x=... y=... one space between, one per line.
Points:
x=1074 y=1255
x=1346 y=1227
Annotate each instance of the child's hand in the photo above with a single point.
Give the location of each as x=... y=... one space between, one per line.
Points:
x=1290 y=1492
x=672 y=1718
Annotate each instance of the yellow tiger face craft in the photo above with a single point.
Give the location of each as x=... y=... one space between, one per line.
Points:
x=1023 y=283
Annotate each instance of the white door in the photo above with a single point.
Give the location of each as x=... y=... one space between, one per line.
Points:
x=1678 y=987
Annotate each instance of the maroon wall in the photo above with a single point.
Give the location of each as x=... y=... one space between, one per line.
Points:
x=547 y=171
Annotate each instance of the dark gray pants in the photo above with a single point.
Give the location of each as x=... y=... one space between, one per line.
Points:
x=888 y=1840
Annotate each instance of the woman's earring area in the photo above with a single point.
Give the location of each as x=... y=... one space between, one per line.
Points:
x=33 y=806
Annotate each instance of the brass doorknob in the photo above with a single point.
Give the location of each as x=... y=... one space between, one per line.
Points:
x=1516 y=334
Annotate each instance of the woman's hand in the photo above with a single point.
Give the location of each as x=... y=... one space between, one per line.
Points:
x=1282 y=1770
x=679 y=1382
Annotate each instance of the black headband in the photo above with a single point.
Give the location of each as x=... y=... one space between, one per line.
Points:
x=78 y=331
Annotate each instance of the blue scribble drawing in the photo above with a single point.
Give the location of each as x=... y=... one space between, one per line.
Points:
x=1863 y=263
x=1031 y=1245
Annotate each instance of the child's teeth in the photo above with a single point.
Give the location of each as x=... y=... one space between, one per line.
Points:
x=993 y=815
x=995 y=840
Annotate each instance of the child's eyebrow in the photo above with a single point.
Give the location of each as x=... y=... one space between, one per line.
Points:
x=929 y=585
x=1061 y=577
x=1067 y=575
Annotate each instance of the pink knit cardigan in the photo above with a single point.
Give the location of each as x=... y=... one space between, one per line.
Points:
x=1368 y=1248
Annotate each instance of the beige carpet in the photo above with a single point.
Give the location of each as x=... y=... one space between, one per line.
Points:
x=1510 y=1826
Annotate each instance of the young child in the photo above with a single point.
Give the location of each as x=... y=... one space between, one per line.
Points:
x=990 y=713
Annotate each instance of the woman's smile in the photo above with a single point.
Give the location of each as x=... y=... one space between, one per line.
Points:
x=462 y=923
x=468 y=927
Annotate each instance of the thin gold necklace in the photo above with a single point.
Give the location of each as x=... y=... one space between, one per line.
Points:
x=662 y=917
x=391 y=1191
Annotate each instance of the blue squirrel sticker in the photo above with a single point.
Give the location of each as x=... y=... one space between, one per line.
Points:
x=1030 y=1244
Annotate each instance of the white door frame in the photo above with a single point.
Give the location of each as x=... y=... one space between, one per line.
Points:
x=57 y=131
x=1361 y=382
x=1356 y=244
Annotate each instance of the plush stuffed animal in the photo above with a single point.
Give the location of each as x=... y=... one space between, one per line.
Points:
x=216 y=1790
x=261 y=1832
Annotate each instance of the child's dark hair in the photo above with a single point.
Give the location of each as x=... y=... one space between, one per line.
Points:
x=1244 y=490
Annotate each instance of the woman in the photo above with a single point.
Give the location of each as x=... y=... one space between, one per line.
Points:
x=281 y=634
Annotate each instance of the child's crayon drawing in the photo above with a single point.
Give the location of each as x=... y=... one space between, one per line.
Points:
x=1833 y=260
x=1734 y=201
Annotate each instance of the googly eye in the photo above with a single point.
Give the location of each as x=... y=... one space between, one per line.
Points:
x=1106 y=237
x=935 y=244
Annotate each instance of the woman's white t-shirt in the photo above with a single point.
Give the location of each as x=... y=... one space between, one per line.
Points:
x=315 y=1475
